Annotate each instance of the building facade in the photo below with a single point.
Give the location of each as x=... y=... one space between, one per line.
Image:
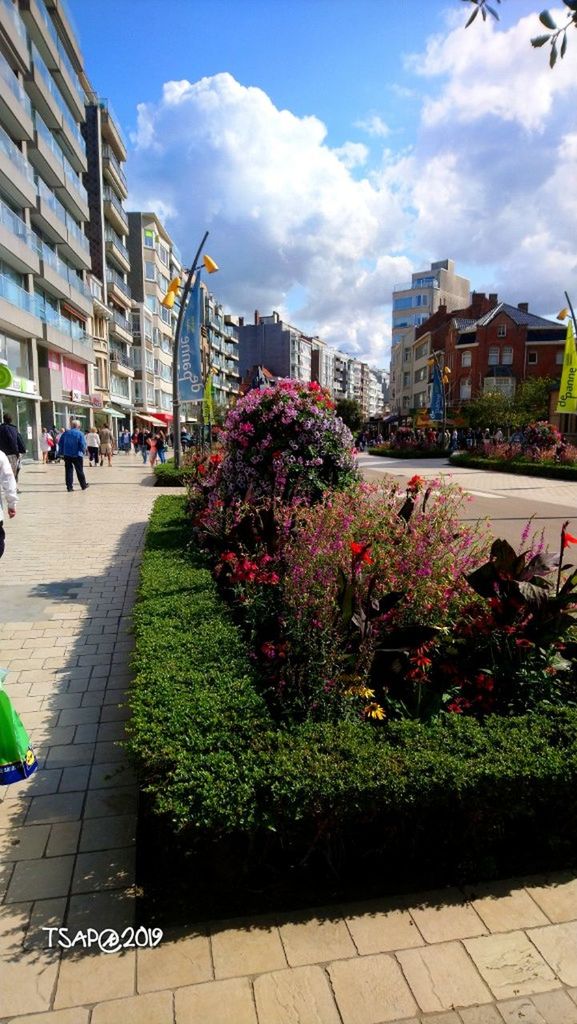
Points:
x=270 y=342
x=413 y=303
x=45 y=301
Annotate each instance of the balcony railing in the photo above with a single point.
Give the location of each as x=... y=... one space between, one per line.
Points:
x=105 y=105
x=13 y=84
x=73 y=179
x=110 y=196
x=62 y=268
x=419 y=282
x=17 y=296
x=109 y=155
x=121 y=358
x=65 y=59
x=15 y=18
x=14 y=154
x=122 y=321
x=115 y=279
x=56 y=95
x=69 y=327
x=111 y=236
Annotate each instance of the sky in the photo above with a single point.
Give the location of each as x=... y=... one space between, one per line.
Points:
x=333 y=147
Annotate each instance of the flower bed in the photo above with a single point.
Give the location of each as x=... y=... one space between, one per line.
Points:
x=520 y=465
x=266 y=805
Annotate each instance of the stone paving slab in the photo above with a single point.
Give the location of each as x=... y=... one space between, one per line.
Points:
x=488 y=954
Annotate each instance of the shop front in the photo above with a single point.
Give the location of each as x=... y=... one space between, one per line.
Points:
x=19 y=395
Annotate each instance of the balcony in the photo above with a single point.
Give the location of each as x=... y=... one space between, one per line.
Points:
x=113 y=171
x=116 y=250
x=15 y=106
x=114 y=211
x=19 y=313
x=13 y=32
x=67 y=336
x=18 y=243
x=118 y=288
x=16 y=174
x=43 y=33
x=56 y=170
x=122 y=364
x=61 y=279
x=111 y=129
x=120 y=326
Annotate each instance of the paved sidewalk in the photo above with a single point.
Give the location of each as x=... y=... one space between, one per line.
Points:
x=488 y=955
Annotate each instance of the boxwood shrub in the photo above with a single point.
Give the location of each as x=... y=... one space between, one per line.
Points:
x=167 y=475
x=398 y=804
x=408 y=453
x=552 y=470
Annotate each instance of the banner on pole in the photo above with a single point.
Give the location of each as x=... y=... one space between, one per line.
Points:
x=568 y=390
x=437 y=395
x=190 y=386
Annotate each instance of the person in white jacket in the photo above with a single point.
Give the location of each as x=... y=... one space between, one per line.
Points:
x=8 y=489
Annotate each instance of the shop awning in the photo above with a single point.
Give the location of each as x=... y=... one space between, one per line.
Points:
x=113 y=412
x=150 y=419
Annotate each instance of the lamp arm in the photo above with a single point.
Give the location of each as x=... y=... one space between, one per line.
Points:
x=572 y=312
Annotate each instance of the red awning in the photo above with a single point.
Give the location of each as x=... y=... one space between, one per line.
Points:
x=166 y=417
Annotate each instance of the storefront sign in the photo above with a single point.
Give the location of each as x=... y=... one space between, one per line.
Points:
x=96 y=401
x=77 y=396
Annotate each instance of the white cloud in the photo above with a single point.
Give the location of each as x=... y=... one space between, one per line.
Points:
x=373 y=125
x=352 y=154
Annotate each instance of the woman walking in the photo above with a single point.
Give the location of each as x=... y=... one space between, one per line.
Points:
x=153 y=449
x=46 y=444
x=93 y=445
x=161 y=446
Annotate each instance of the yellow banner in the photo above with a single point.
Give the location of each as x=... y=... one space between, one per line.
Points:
x=568 y=389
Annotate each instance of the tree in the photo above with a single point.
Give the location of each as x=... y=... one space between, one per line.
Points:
x=532 y=400
x=350 y=412
x=491 y=409
x=556 y=36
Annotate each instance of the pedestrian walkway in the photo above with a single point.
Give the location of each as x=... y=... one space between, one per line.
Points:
x=488 y=955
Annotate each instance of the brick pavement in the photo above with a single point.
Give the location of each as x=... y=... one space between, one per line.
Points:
x=491 y=954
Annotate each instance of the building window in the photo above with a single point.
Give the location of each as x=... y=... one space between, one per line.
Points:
x=532 y=358
x=406 y=401
x=163 y=254
x=502 y=385
x=149 y=271
x=148 y=238
x=406 y=380
x=465 y=358
x=465 y=389
x=421 y=351
x=559 y=357
x=502 y=331
x=507 y=355
x=407 y=355
x=493 y=355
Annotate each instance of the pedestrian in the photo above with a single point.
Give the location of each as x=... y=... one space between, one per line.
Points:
x=11 y=444
x=46 y=444
x=144 y=445
x=161 y=446
x=153 y=449
x=93 y=444
x=105 y=444
x=8 y=488
x=124 y=441
x=134 y=440
x=498 y=437
x=72 y=447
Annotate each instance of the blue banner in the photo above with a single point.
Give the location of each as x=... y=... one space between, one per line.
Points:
x=437 y=395
x=190 y=384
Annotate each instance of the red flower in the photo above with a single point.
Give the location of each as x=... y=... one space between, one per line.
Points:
x=228 y=556
x=360 y=552
x=522 y=642
x=215 y=459
x=201 y=468
x=568 y=539
x=415 y=483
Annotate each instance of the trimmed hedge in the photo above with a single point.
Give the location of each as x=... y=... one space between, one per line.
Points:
x=408 y=453
x=167 y=475
x=550 y=470
x=403 y=801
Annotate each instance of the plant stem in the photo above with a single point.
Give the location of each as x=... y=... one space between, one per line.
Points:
x=563 y=528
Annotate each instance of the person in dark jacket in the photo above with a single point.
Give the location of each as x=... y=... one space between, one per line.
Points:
x=72 y=446
x=11 y=444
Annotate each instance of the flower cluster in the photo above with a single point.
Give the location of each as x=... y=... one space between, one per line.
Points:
x=241 y=569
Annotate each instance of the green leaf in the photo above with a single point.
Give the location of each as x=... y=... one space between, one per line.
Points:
x=553 y=56
x=571 y=4
x=564 y=45
x=540 y=40
x=493 y=13
x=547 y=20
x=472 y=18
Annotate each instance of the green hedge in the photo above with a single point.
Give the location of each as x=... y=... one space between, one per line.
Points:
x=405 y=801
x=550 y=470
x=407 y=453
x=167 y=475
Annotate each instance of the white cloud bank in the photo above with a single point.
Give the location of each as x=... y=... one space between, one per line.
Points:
x=489 y=182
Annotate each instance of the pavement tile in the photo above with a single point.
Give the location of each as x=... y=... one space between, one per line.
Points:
x=101 y=910
x=111 y=775
x=246 y=948
x=558 y=944
x=45 y=914
x=446 y=915
x=313 y=940
x=480 y=1015
x=63 y=839
x=379 y=927
x=76 y=1016
x=104 y=802
x=78 y=716
x=442 y=977
x=371 y=990
x=74 y=779
x=27 y=983
x=120 y=830
x=511 y=965
x=557 y=897
x=73 y=754
x=221 y=1002
x=174 y=964
x=103 y=869
x=503 y=910
x=13 y=924
x=520 y=1011
x=55 y=807
x=25 y=843
x=556 y=1007
x=40 y=879
x=84 y=978
x=154 y=1008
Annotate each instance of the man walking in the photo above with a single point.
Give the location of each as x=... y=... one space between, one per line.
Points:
x=106 y=441
x=11 y=444
x=72 y=447
x=8 y=486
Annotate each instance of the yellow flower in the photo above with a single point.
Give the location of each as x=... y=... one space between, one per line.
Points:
x=359 y=691
x=374 y=710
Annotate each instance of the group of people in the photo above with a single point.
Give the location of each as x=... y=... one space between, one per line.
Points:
x=152 y=445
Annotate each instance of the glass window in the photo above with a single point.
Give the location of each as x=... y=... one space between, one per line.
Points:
x=163 y=254
x=407 y=355
x=406 y=380
x=119 y=386
x=149 y=271
x=403 y=303
x=151 y=303
x=507 y=355
x=465 y=388
x=165 y=314
x=15 y=354
x=559 y=357
x=532 y=358
x=502 y=331
x=465 y=358
x=494 y=355
x=149 y=238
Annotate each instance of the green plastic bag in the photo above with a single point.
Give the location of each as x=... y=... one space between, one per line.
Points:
x=17 y=760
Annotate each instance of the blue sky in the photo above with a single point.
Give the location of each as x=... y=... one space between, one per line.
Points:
x=332 y=146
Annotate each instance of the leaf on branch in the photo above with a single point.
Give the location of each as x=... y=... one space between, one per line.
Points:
x=493 y=13
x=472 y=18
x=547 y=20
x=553 y=56
x=540 y=40
x=564 y=45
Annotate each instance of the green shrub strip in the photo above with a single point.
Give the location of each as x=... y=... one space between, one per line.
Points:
x=167 y=475
x=551 y=470
x=408 y=453
x=214 y=762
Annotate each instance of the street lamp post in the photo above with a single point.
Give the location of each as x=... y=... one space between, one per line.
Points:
x=168 y=301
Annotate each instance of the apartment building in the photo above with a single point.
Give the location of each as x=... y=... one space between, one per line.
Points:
x=46 y=304
x=107 y=232
x=413 y=303
x=283 y=349
x=154 y=261
x=220 y=350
